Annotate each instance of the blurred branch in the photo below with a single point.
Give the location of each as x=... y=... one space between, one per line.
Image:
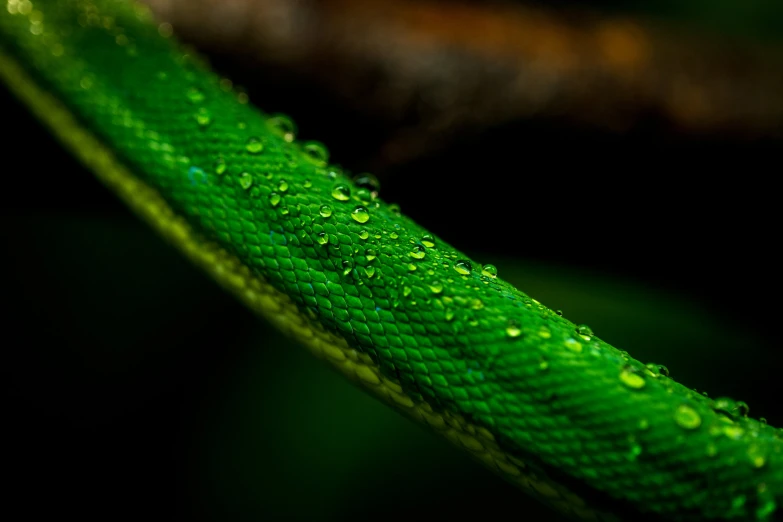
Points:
x=437 y=70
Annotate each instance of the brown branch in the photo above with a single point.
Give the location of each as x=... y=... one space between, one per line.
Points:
x=440 y=69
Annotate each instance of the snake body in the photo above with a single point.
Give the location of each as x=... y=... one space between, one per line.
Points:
x=545 y=403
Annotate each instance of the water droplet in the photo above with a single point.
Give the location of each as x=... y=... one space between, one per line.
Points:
x=731 y=407
x=245 y=180
x=448 y=314
x=282 y=186
x=663 y=370
x=559 y=313
x=585 y=332
x=285 y=211
x=394 y=235
x=489 y=271
x=428 y=241
x=195 y=95
x=325 y=211
x=733 y=431
x=573 y=345
x=371 y=254
x=341 y=193
x=317 y=153
x=631 y=379
x=369 y=182
x=762 y=421
x=360 y=215
x=220 y=166
x=394 y=208
x=254 y=145
x=463 y=267
x=369 y=271
x=513 y=329
x=477 y=304
x=757 y=455
x=322 y=238
x=411 y=267
x=364 y=234
x=274 y=199
x=347 y=266
x=283 y=126
x=436 y=287
x=544 y=332
x=634 y=451
x=418 y=252
x=307 y=183
x=687 y=418
x=203 y=117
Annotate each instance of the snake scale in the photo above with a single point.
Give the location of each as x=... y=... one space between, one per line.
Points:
x=545 y=403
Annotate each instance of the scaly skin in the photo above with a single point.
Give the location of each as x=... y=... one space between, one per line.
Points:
x=570 y=419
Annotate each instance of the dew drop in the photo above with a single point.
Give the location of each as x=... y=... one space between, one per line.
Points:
x=632 y=379
x=371 y=254
x=203 y=117
x=394 y=208
x=254 y=145
x=663 y=370
x=317 y=153
x=448 y=314
x=585 y=332
x=322 y=238
x=463 y=267
x=364 y=234
x=394 y=235
x=307 y=183
x=368 y=182
x=274 y=199
x=544 y=332
x=282 y=186
x=573 y=345
x=757 y=455
x=325 y=211
x=436 y=287
x=634 y=451
x=686 y=417
x=285 y=211
x=341 y=193
x=220 y=166
x=477 y=304
x=489 y=271
x=360 y=214
x=283 y=126
x=513 y=328
x=411 y=267
x=428 y=241
x=369 y=271
x=347 y=266
x=559 y=313
x=418 y=252
x=245 y=180
x=195 y=95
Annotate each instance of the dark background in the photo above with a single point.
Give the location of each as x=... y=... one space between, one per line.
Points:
x=138 y=388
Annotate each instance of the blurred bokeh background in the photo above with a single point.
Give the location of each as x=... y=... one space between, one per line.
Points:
x=615 y=161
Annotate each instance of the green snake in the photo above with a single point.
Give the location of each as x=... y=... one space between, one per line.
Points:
x=552 y=408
